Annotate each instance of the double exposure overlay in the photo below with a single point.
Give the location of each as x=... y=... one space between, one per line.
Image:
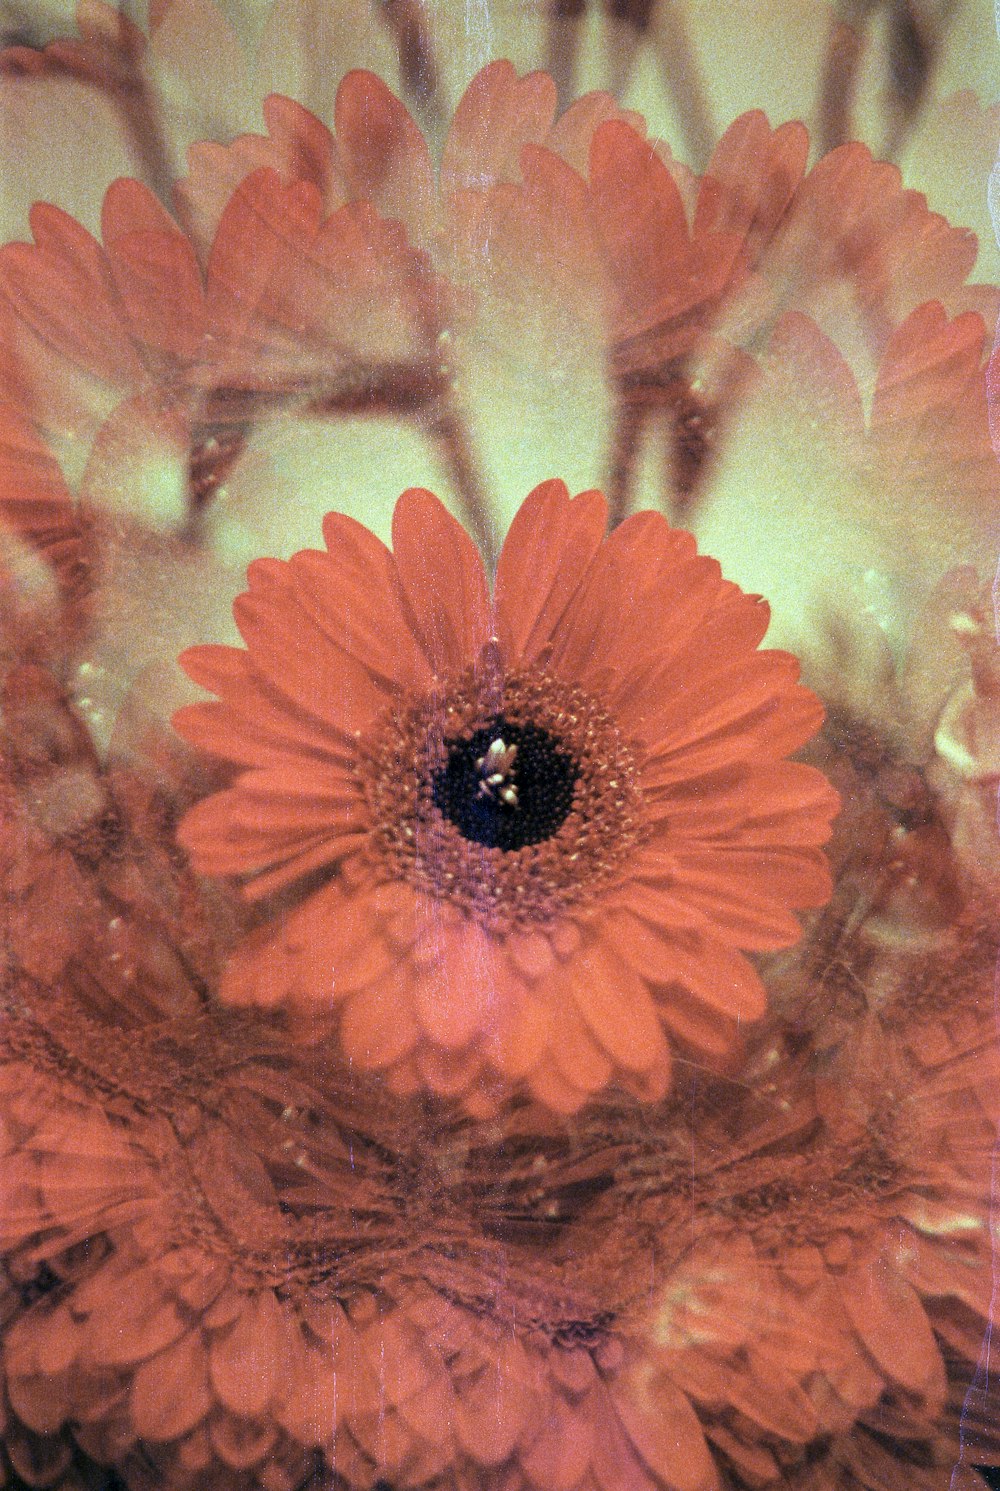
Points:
x=499 y=746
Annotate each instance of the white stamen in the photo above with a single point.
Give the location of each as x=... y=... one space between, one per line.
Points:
x=495 y=769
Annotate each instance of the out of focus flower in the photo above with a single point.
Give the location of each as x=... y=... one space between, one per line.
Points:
x=886 y=1243
x=45 y=570
x=758 y=1279
x=875 y=70
x=651 y=283
x=552 y=834
x=165 y=362
x=193 y=74
x=891 y=498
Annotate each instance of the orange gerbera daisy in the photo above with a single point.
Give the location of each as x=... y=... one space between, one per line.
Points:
x=533 y=835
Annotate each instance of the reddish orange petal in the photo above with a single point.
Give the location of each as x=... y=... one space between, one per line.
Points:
x=462 y=985
x=300 y=664
x=62 y=288
x=443 y=581
x=783 y=804
x=306 y=144
x=546 y=554
x=664 y=1429
x=356 y=596
x=701 y=703
x=264 y=227
x=155 y=270
x=550 y=1088
x=715 y=974
x=616 y=1005
x=382 y=152
x=751 y=178
x=643 y=226
x=520 y=1042
x=776 y=732
x=497 y=115
x=743 y=893
x=170 y=1392
x=891 y=1321
x=579 y=1059
x=246 y=1361
x=378 y=1028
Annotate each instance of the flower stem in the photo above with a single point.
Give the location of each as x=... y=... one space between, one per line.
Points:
x=455 y=444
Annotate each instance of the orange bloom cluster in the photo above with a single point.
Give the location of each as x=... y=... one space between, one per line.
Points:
x=227 y=1267
x=330 y=271
x=413 y=1070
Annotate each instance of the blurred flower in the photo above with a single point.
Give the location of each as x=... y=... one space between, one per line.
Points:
x=164 y=362
x=197 y=72
x=551 y=835
x=890 y=497
x=314 y=274
x=873 y=70
x=220 y=1269
x=761 y=1278
x=967 y=743
x=856 y=1190
x=45 y=559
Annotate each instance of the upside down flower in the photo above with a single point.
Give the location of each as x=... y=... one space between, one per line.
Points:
x=225 y=1260
x=806 y=423
x=548 y=825
x=326 y=272
x=164 y=363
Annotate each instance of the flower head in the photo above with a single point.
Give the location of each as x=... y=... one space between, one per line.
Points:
x=531 y=835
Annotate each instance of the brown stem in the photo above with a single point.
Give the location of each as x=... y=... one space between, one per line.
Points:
x=630 y=423
x=915 y=41
x=562 y=45
x=632 y=23
x=684 y=81
x=408 y=24
x=844 y=50
x=139 y=118
x=112 y=64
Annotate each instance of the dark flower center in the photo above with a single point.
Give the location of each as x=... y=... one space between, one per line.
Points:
x=512 y=795
x=506 y=785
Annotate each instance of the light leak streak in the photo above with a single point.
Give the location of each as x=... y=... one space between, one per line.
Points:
x=985 y=1371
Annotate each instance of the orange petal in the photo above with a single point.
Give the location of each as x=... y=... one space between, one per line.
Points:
x=378 y=1027
x=170 y=1392
x=616 y=1005
x=715 y=974
x=891 y=1321
x=497 y=115
x=548 y=550
x=443 y=581
x=462 y=989
x=382 y=152
x=246 y=1361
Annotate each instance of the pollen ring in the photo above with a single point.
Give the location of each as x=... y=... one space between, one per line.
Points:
x=515 y=799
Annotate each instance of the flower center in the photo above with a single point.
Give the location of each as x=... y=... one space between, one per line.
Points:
x=506 y=786
x=513 y=797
